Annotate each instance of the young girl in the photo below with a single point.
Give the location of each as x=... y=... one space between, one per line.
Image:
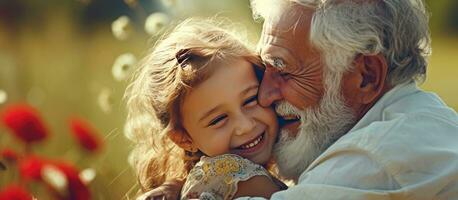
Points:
x=193 y=114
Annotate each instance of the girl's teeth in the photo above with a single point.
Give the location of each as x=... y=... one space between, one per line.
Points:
x=252 y=144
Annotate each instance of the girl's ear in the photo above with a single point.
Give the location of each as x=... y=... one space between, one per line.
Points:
x=182 y=139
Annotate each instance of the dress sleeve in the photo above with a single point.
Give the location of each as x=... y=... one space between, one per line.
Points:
x=215 y=178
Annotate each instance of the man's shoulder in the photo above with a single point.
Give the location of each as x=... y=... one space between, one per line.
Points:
x=407 y=123
x=392 y=155
x=406 y=143
x=406 y=135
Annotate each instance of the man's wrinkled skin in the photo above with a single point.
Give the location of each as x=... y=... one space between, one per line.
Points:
x=300 y=81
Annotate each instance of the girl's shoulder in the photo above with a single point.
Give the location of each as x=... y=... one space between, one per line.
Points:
x=217 y=177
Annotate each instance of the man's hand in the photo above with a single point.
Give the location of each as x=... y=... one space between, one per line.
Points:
x=251 y=187
x=170 y=190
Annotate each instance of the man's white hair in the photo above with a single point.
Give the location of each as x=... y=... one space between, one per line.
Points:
x=342 y=29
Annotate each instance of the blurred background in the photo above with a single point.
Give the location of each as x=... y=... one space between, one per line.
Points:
x=70 y=58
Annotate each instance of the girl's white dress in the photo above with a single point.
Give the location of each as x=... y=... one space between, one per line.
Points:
x=216 y=178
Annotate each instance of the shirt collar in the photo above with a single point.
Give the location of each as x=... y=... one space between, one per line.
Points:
x=392 y=96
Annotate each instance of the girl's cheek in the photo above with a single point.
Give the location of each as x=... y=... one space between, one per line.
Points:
x=269 y=114
x=265 y=116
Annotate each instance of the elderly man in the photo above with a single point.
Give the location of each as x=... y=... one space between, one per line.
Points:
x=343 y=74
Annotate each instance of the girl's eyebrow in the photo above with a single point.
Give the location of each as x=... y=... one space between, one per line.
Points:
x=209 y=112
x=246 y=90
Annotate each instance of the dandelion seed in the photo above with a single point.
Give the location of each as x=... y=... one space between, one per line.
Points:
x=123 y=66
x=156 y=22
x=55 y=178
x=3 y=96
x=169 y=3
x=87 y=175
x=121 y=28
x=105 y=100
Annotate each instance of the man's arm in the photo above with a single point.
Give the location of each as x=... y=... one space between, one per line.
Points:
x=260 y=186
x=349 y=175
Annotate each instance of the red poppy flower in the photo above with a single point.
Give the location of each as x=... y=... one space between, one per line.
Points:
x=77 y=190
x=14 y=192
x=25 y=123
x=9 y=155
x=85 y=134
x=30 y=167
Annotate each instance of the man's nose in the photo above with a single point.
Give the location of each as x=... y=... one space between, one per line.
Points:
x=269 y=91
x=244 y=124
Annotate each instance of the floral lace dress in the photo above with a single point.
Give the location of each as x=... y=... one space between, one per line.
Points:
x=216 y=178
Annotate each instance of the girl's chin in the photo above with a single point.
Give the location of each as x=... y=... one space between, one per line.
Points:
x=262 y=158
x=261 y=161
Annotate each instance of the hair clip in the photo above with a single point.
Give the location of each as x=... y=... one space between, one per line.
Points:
x=182 y=57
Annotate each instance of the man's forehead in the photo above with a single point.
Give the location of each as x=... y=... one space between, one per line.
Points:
x=292 y=18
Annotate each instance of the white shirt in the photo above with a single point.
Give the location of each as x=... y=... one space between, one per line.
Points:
x=405 y=147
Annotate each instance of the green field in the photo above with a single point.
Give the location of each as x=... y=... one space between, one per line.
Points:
x=442 y=74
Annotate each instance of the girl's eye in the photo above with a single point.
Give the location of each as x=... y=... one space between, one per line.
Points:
x=217 y=120
x=251 y=101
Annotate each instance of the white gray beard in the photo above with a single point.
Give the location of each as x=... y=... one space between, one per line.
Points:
x=320 y=127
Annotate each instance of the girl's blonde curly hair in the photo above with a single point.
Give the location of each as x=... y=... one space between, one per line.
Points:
x=179 y=61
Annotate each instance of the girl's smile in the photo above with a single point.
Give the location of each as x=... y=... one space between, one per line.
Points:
x=251 y=147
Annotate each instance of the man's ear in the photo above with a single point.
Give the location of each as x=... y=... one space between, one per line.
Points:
x=182 y=139
x=371 y=72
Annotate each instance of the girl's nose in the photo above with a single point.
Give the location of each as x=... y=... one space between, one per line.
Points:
x=244 y=124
